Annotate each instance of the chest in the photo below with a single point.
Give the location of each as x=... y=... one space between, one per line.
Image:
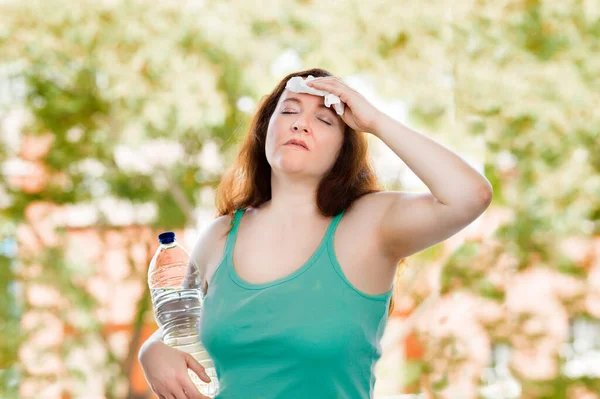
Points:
x=261 y=255
x=286 y=318
x=264 y=255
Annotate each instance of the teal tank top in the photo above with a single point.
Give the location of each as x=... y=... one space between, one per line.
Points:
x=310 y=334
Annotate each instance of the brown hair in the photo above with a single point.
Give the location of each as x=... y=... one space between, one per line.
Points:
x=248 y=182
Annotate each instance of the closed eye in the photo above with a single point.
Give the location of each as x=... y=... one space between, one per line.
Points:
x=324 y=121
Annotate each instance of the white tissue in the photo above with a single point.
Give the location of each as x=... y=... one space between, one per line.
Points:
x=298 y=85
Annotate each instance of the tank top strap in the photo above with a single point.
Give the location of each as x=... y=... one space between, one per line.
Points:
x=333 y=226
x=235 y=222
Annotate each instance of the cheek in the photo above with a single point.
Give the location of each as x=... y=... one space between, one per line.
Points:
x=271 y=137
x=269 y=145
x=331 y=140
x=271 y=129
x=271 y=141
x=276 y=131
x=330 y=146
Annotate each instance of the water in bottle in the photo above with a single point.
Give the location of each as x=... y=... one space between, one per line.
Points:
x=177 y=301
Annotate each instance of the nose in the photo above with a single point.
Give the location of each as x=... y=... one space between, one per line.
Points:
x=299 y=127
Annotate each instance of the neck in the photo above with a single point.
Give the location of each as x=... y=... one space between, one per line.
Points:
x=293 y=198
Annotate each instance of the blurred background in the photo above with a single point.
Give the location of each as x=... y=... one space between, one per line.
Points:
x=118 y=118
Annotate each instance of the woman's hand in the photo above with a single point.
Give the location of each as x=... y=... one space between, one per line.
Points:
x=359 y=113
x=166 y=370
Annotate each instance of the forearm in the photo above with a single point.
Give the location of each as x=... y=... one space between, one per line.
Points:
x=449 y=178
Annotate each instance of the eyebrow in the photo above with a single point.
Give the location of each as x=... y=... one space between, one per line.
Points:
x=297 y=100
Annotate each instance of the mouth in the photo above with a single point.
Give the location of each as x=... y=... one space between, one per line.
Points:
x=296 y=144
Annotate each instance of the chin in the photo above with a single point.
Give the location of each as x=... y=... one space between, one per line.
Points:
x=291 y=167
x=291 y=170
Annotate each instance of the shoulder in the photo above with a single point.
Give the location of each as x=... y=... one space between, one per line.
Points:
x=364 y=221
x=370 y=208
x=375 y=206
x=210 y=238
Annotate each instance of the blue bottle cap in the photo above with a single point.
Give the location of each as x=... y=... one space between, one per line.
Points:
x=167 y=237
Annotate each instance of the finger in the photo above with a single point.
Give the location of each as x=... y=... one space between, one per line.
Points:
x=192 y=391
x=328 y=83
x=200 y=396
x=326 y=78
x=343 y=94
x=331 y=80
x=178 y=393
x=162 y=393
x=196 y=367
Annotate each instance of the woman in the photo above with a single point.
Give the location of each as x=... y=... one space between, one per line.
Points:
x=301 y=262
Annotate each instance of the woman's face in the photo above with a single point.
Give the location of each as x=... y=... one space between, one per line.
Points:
x=303 y=117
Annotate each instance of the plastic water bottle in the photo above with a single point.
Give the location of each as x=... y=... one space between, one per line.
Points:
x=177 y=301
